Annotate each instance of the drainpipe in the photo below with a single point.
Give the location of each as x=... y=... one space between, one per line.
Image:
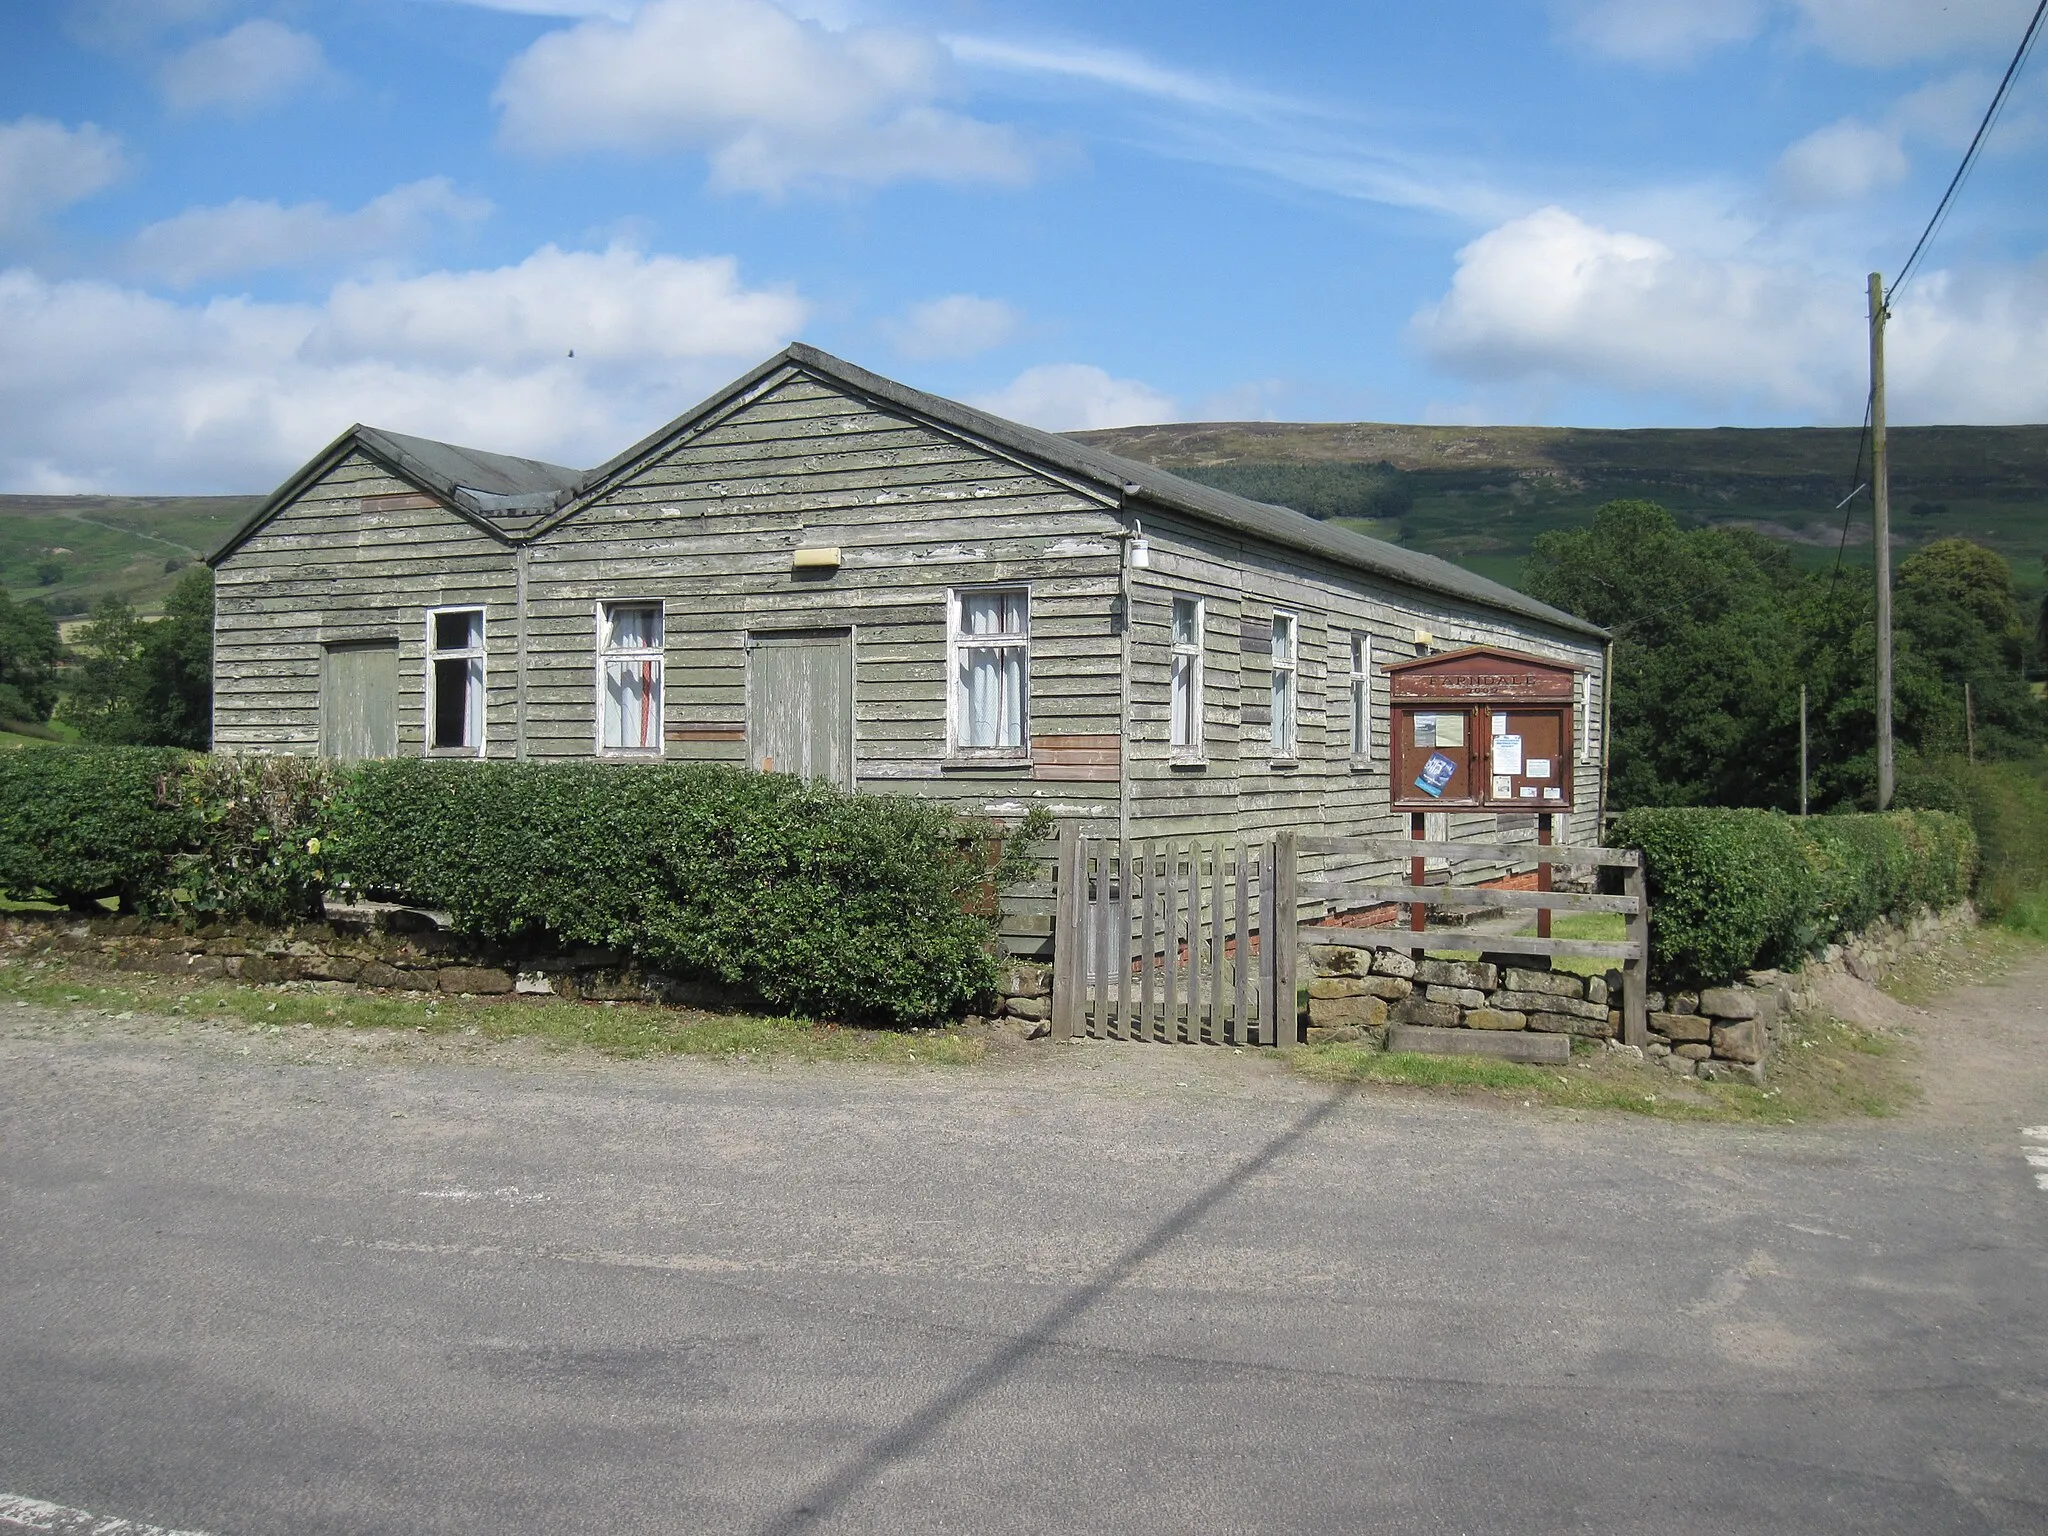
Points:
x=519 y=555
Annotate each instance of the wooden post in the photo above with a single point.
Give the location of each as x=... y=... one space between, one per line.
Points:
x=1635 y=986
x=1543 y=837
x=1069 y=943
x=1286 y=937
x=1418 y=869
x=1802 y=749
x=1881 y=520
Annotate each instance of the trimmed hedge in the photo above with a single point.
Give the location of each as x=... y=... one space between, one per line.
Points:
x=81 y=823
x=1732 y=890
x=848 y=906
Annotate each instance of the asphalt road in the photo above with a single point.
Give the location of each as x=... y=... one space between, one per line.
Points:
x=1104 y=1289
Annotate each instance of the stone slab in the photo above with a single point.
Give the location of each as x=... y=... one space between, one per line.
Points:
x=1509 y=1045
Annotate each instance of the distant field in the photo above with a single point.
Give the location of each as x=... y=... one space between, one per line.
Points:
x=1481 y=495
x=70 y=551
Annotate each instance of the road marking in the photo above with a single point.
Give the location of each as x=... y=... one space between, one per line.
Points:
x=510 y=1195
x=2037 y=1156
x=19 y=1514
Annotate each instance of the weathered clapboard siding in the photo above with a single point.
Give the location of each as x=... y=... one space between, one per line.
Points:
x=1239 y=783
x=358 y=554
x=708 y=527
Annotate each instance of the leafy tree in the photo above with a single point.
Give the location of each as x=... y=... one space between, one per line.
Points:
x=1957 y=618
x=1706 y=652
x=28 y=661
x=147 y=683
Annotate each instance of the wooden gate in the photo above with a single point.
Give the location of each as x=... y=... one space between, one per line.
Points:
x=1165 y=939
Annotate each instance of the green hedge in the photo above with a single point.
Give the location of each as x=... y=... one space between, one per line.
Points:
x=81 y=823
x=853 y=907
x=1732 y=890
x=849 y=906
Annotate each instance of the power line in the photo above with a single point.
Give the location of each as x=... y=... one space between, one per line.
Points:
x=1970 y=155
x=1857 y=484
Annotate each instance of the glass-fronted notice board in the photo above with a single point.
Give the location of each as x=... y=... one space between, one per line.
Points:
x=1483 y=729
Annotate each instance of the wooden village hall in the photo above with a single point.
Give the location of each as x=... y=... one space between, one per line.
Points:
x=820 y=571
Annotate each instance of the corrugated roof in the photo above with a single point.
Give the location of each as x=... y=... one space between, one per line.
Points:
x=1139 y=482
x=513 y=493
x=519 y=498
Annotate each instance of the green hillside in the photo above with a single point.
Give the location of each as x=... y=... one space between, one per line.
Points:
x=1481 y=495
x=1476 y=495
x=70 y=551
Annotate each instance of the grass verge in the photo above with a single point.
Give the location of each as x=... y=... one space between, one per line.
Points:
x=626 y=1030
x=1826 y=1070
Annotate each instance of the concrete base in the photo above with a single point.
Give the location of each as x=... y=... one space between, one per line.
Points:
x=1508 y=1045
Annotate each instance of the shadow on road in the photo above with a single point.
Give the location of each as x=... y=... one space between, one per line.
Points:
x=835 y=1488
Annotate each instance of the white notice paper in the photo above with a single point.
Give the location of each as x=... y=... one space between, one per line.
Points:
x=1551 y=793
x=1450 y=730
x=1503 y=787
x=1507 y=754
x=1528 y=791
x=1539 y=768
x=1425 y=730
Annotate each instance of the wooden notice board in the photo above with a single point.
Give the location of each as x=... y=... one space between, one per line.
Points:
x=1483 y=729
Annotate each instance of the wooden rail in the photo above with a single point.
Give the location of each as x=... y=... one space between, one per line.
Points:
x=1633 y=951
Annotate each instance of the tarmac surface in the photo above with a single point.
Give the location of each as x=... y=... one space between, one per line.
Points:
x=1094 y=1288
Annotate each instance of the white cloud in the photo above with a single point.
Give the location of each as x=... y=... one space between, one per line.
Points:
x=256 y=65
x=774 y=100
x=1865 y=32
x=109 y=388
x=616 y=10
x=958 y=325
x=1550 y=297
x=45 y=166
x=1659 y=32
x=122 y=24
x=1886 y=32
x=1114 y=67
x=249 y=236
x=1076 y=397
x=1844 y=160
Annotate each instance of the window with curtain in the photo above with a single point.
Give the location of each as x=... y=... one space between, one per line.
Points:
x=1283 y=685
x=991 y=645
x=1361 y=698
x=455 y=680
x=1187 y=677
x=629 y=677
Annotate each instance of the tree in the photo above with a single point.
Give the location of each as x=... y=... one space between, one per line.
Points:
x=1706 y=653
x=1959 y=620
x=147 y=682
x=28 y=661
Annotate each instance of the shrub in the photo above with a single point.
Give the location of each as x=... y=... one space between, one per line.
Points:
x=257 y=837
x=1731 y=890
x=817 y=901
x=2006 y=804
x=81 y=823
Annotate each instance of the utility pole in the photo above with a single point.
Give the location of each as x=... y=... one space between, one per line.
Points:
x=1802 y=749
x=1881 y=517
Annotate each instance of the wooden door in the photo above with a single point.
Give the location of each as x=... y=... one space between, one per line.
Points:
x=359 y=701
x=800 y=704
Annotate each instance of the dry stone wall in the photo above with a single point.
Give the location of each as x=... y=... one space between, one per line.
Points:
x=1724 y=1032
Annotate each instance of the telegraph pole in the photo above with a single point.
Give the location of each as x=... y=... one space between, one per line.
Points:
x=1881 y=517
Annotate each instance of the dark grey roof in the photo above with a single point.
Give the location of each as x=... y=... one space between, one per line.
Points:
x=513 y=493
x=1133 y=483
x=500 y=494
x=518 y=498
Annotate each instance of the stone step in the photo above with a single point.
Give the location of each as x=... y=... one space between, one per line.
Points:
x=1508 y=1045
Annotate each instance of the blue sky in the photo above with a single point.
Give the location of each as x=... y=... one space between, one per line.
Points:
x=228 y=228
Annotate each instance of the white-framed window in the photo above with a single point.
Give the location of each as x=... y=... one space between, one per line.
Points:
x=1187 y=677
x=1588 y=720
x=629 y=665
x=455 y=681
x=1284 y=689
x=1361 y=698
x=989 y=642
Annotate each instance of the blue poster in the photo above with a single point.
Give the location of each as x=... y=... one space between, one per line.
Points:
x=1436 y=773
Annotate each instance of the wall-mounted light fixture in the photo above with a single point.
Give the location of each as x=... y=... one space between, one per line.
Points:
x=820 y=557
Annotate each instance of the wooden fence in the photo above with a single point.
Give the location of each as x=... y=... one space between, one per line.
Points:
x=1633 y=950
x=1163 y=939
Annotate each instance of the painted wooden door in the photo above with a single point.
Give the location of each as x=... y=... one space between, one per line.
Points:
x=800 y=704
x=359 y=701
